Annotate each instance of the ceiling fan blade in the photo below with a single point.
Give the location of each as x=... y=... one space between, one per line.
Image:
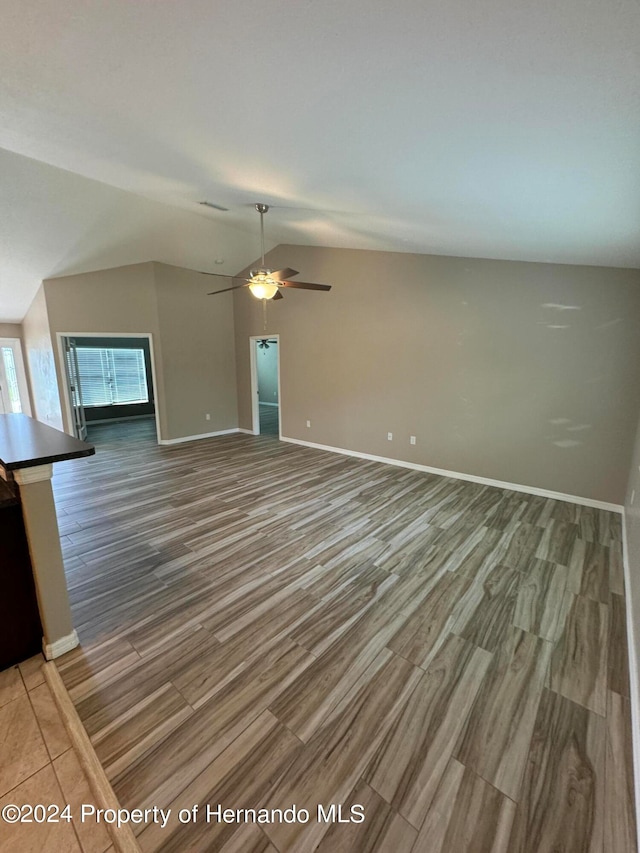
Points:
x=227 y=289
x=306 y=285
x=280 y=275
x=278 y=296
x=223 y=275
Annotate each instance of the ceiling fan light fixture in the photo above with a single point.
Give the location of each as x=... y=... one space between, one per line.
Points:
x=263 y=289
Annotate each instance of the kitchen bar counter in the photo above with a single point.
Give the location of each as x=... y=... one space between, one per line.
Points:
x=28 y=451
x=25 y=442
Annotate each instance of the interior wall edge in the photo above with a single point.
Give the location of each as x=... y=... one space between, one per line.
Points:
x=633 y=613
x=458 y=475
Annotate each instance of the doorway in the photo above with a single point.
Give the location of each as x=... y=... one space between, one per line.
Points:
x=14 y=395
x=265 y=382
x=109 y=384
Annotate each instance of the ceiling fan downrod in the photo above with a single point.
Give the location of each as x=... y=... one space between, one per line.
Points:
x=262 y=209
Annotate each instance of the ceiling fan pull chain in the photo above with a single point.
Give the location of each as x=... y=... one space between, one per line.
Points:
x=264 y=314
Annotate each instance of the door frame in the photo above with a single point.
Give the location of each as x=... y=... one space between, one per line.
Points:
x=255 y=410
x=64 y=396
x=21 y=373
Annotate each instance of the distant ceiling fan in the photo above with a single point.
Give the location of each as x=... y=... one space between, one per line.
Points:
x=265 y=343
x=265 y=283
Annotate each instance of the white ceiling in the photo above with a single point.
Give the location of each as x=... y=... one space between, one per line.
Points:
x=497 y=128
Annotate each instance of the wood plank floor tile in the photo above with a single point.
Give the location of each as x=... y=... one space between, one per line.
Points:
x=485 y=612
x=618 y=666
x=240 y=777
x=468 y=815
x=616 y=567
x=381 y=830
x=422 y=635
x=520 y=545
x=476 y=553
x=589 y=570
x=183 y=754
x=309 y=700
x=335 y=758
x=542 y=603
x=496 y=739
x=408 y=766
x=619 y=805
x=248 y=839
x=131 y=735
x=262 y=620
x=142 y=678
x=557 y=542
x=579 y=661
x=561 y=807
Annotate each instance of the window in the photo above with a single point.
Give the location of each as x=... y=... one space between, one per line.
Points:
x=112 y=376
x=12 y=379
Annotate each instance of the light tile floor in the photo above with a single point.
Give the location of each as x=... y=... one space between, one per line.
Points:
x=39 y=766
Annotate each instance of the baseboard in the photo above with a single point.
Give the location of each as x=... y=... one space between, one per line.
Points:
x=634 y=676
x=457 y=475
x=184 y=438
x=61 y=646
x=247 y=431
x=124 y=841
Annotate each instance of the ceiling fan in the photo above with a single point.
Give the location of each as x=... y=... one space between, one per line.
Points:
x=265 y=283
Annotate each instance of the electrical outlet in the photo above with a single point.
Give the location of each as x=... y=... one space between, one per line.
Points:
x=412 y=439
x=389 y=436
x=308 y=423
x=207 y=417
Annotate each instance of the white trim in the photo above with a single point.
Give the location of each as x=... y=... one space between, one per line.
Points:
x=247 y=431
x=634 y=680
x=64 y=396
x=253 y=379
x=198 y=437
x=456 y=475
x=33 y=474
x=61 y=646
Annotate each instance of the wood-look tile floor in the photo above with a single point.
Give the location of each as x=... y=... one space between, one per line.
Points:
x=269 y=419
x=266 y=625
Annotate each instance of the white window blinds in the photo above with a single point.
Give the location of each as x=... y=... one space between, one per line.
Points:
x=110 y=376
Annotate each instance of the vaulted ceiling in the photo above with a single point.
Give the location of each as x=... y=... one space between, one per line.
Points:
x=499 y=128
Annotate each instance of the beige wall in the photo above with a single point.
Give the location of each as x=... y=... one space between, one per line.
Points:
x=519 y=372
x=119 y=300
x=196 y=332
x=10 y=330
x=192 y=337
x=40 y=363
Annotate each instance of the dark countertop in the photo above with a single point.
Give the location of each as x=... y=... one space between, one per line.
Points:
x=25 y=442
